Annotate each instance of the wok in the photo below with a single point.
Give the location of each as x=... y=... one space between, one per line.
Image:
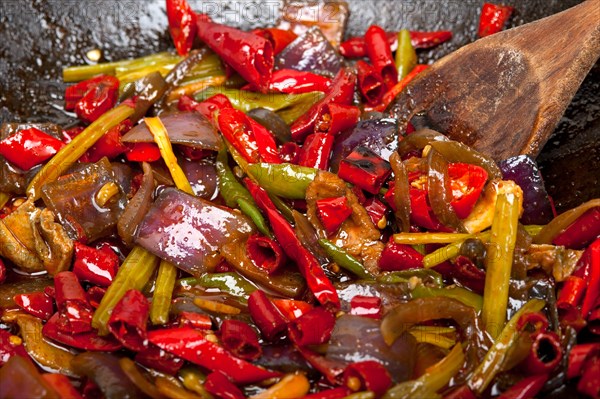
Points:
x=38 y=38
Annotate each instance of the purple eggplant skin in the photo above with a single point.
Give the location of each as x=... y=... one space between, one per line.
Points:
x=310 y=52
x=523 y=170
x=379 y=135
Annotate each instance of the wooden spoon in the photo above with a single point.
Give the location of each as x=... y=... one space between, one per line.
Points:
x=505 y=93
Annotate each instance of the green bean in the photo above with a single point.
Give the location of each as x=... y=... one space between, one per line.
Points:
x=284 y=179
x=134 y=273
x=231 y=283
x=461 y=294
x=493 y=361
x=499 y=258
x=70 y=153
x=429 y=238
x=163 y=293
x=406 y=56
x=450 y=251
x=426 y=275
x=344 y=260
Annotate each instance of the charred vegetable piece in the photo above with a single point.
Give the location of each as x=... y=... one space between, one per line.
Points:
x=310 y=52
x=365 y=169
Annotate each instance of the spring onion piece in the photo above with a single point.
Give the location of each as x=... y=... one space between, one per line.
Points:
x=432 y=335
x=231 y=283
x=106 y=192
x=290 y=386
x=216 y=307
x=494 y=359
x=450 y=251
x=344 y=260
x=134 y=273
x=429 y=238
x=431 y=277
x=163 y=292
x=434 y=379
x=499 y=259
x=467 y=297
x=70 y=153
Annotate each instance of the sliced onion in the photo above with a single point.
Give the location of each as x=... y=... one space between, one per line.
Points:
x=137 y=207
x=202 y=176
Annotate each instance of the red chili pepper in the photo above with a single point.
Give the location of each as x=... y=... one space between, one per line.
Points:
x=315 y=277
x=75 y=312
x=589 y=383
x=159 y=360
x=331 y=369
x=250 y=55
x=335 y=118
x=182 y=25
x=290 y=81
x=95 y=295
x=29 y=147
x=291 y=308
x=593 y=318
x=265 y=253
x=61 y=384
x=109 y=145
x=220 y=386
x=333 y=393
x=332 y=212
x=142 y=152
x=467 y=274
x=527 y=388
x=355 y=47
x=240 y=339
x=380 y=54
x=2 y=272
x=370 y=83
x=265 y=315
x=582 y=231
x=572 y=291
x=290 y=152
x=312 y=328
x=400 y=257
x=536 y=320
x=128 y=320
x=376 y=210
x=365 y=169
x=89 y=340
x=340 y=92
x=37 y=304
x=195 y=320
x=252 y=140
x=467 y=182
x=10 y=346
x=316 y=151
x=391 y=94
x=97 y=266
x=366 y=306
x=207 y=107
x=279 y=38
x=462 y=392
x=373 y=376
x=493 y=18
x=577 y=356
x=93 y=97
x=192 y=346
x=545 y=353
x=420 y=211
x=593 y=290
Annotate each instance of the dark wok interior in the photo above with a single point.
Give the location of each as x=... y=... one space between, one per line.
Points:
x=38 y=38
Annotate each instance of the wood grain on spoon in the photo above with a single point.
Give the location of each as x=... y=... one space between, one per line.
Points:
x=505 y=93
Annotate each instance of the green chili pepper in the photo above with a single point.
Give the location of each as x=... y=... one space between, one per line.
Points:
x=406 y=56
x=426 y=275
x=284 y=179
x=192 y=379
x=285 y=209
x=461 y=294
x=344 y=259
x=231 y=283
x=235 y=194
x=163 y=293
x=288 y=106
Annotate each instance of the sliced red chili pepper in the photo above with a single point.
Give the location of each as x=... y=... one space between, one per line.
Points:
x=267 y=146
x=311 y=270
x=89 y=340
x=195 y=320
x=365 y=169
x=61 y=384
x=37 y=304
x=582 y=231
x=332 y=212
x=128 y=320
x=207 y=107
x=493 y=18
x=291 y=308
x=75 y=312
x=572 y=291
x=380 y=54
x=371 y=375
x=545 y=353
x=290 y=81
x=29 y=147
x=467 y=182
x=240 y=339
x=265 y=315
x=109 y=145
x=250 y=55
x=366 y=306
x=219 y=385
x=400 y=257
x=93 y=97
x=157 y=359
x=312 y=328
x=592 y=256
x=335 y=118
x=536 y=320
x=370 y=83
x=11 y=345
x=192 y=346
x=265 y=253
x=577 y=356
x=95 y=295
x=316 y=151
x=340 y=92
x=589 y=383
x=392 y=93
x=527 y=388
x=290 y=152
x=421 y=212
x=97 y=266
x=142 y=152
x=182 y=25
x=376 y=211
x=355 y=47
x=279 y=38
